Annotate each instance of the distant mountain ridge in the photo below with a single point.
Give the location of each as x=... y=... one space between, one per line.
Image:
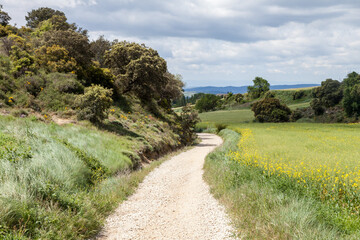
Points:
x=242 y=89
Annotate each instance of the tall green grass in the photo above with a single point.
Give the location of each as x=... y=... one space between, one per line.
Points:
x=60 y=182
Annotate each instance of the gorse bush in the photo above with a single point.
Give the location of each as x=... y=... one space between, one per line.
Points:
x=94 y=104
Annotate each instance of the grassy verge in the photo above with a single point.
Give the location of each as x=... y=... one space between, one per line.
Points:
x=60 y=182
x=268 y=207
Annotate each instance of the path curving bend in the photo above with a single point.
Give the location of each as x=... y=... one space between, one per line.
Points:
x=173 y=202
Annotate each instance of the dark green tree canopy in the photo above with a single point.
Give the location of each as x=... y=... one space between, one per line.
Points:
x=270 y=110
x=351 y=101
x=207 y=102
x=172 y=90
x=98 y=48
x=74 y=42
x=138 y=69
x=260 y=87
x=329 y=93
x=4 y=17
x=36 y=16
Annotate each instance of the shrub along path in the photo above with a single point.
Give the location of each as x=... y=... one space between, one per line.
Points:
x=173 y=202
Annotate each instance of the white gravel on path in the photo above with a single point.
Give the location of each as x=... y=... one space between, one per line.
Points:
x=173 y=202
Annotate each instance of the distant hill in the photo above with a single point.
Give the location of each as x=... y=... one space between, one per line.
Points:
x=242 y=89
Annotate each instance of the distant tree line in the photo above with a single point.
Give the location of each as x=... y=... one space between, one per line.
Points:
x=205 y=102
x=338 y=98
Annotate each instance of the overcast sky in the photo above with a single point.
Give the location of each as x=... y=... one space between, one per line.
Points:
x=226 y=42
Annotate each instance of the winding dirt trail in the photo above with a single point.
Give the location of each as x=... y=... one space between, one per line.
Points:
x=173 y=202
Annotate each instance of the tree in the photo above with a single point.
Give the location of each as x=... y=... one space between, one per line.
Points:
x=36 y=16
x=188 y=120
x=260 y=87
x=329 y=93
x=75 y=43
x=99 y=47
x=4 y=17
x=207 y=103
x=138 y=69
x=94 y=104
x=351 y=101
x=172 y=90
x=270 y=110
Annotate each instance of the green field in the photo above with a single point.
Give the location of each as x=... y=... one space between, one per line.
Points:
x=227 y=117
x=311 y=162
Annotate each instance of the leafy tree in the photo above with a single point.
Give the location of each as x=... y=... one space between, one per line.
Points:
x=238 y=97
x=207 y=103
x=329 y=93
x=99 y=47
x=188 y=120
x=317 y=106
x=93 y=74
x=270 y=110
x=75 y=43
x=195 y=97
x=260 y=87
x=298 y=94
x=94 y=104
x=55 y=59
x=138 y=69
x=4 y=17
x=36 y=16
x=351 y=101
x=172 y=90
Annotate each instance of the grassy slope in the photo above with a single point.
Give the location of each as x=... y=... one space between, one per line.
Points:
x=53 y=194
x=265 y=207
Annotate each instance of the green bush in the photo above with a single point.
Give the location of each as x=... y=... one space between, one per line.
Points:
x=298 y=94
x=207 y=103
x=188 y=120
x=296 y=115
x=317 y=106
x=94 y=104
x=34 y=84
x=220 y=126
x=270 y=110
x=51 y=99
x=65 y=83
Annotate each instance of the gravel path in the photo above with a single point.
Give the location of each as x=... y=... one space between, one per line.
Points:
x=173 y=202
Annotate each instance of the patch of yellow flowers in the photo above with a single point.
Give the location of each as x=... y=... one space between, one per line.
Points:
x=334 y=183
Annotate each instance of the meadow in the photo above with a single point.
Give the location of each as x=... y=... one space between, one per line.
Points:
x=311 y=162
